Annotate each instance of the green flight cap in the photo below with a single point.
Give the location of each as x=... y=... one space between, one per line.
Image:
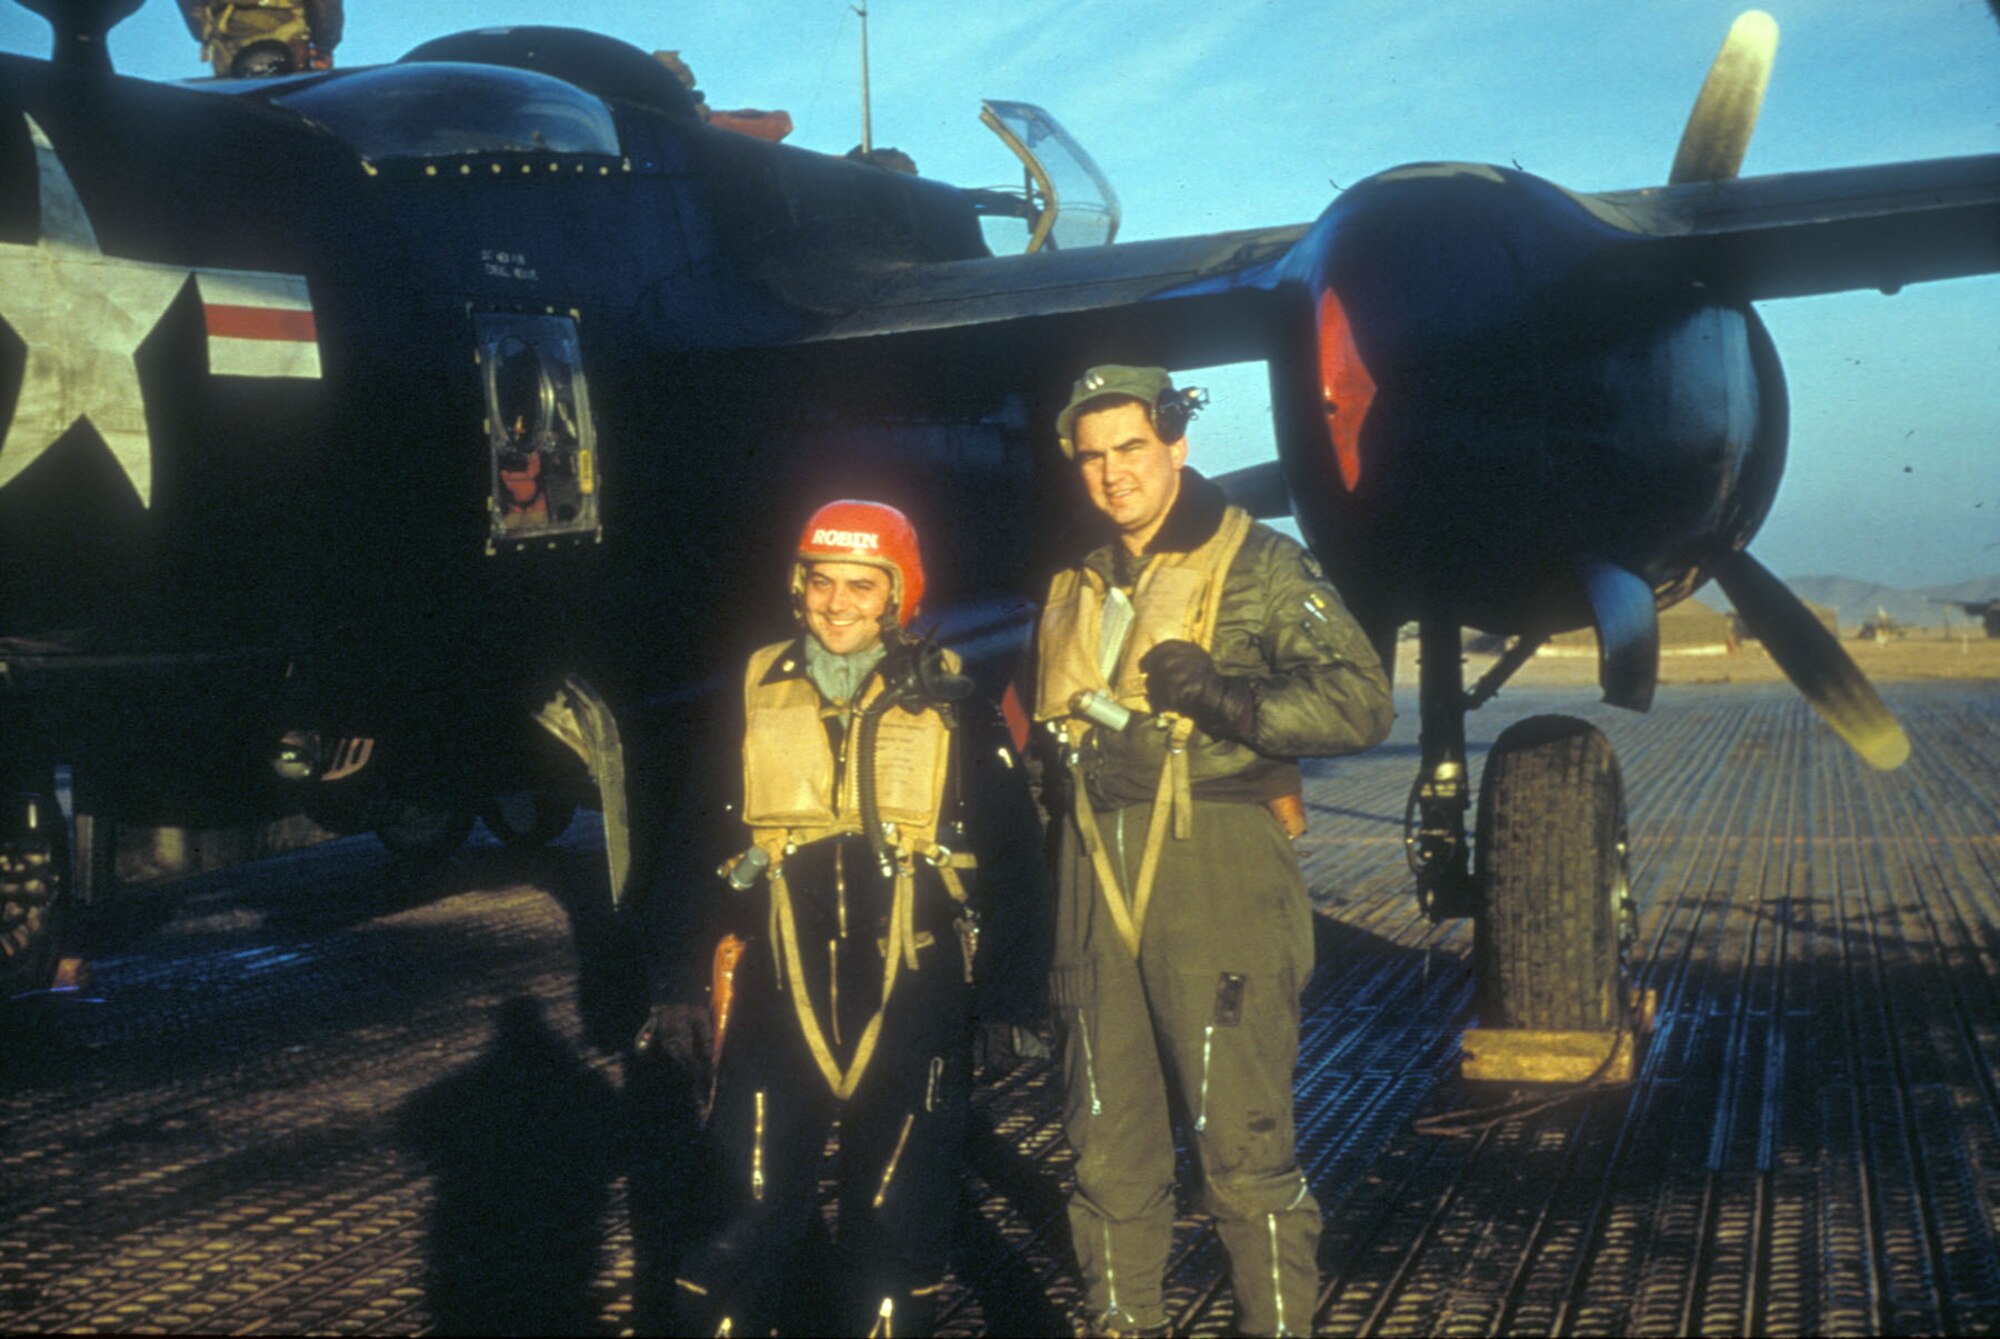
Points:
x=1112 y=381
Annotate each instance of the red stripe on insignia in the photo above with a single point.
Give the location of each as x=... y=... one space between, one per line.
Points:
x=260 y=323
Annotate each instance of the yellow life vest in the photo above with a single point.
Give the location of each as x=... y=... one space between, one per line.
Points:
x=1179 y=595
x=790 y=800
x=788 y=765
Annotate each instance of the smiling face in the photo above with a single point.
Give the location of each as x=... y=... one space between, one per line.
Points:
x=1131 y=475
x=844 y=604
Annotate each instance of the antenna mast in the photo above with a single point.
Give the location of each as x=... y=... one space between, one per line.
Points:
x=867 y=136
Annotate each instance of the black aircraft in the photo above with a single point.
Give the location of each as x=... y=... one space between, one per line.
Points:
x=377 y=433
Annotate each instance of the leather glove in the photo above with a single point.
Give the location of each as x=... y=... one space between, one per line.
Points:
x=913 y=670
x=1181 y=677
x=683 y=1034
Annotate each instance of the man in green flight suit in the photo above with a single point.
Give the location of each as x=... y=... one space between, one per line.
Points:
x=1183 y=665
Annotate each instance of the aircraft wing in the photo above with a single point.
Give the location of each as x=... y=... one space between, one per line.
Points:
x=972 y=292
x=1751 y=238
x=1102 y=296
x=1802 y=233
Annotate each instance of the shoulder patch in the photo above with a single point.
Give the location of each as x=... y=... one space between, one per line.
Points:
x=1313 y=571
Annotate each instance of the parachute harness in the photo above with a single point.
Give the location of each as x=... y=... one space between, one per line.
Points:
x=925 y=685
x=1173 y=798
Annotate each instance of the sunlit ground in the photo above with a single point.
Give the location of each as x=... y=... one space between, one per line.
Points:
x=1919 y=656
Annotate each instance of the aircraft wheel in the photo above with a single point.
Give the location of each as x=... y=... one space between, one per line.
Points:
x=34 y=891
x=1550 y=881
x=417 y=832
x=528 y=818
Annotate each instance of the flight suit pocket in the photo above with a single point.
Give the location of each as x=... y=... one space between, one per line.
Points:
x=1229 y=990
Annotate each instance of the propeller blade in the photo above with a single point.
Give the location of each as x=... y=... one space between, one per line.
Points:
x=1725 y=114
x=1812 y=660
x=1258 y=489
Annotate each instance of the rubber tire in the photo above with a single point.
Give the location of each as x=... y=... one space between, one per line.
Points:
x=420 y=833
x=550 y=817
x=31 y=944
x=1548 y=879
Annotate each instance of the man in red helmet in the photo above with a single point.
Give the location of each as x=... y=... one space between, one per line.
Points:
x=865 y=838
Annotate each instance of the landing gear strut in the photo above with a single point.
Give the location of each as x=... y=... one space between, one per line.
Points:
x=1434 y=819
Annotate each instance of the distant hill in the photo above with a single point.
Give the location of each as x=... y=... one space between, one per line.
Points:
x=1856 y=601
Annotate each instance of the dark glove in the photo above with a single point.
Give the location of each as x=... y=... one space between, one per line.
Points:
x=1181 y=677
x=913 y=670
x=683 y=1034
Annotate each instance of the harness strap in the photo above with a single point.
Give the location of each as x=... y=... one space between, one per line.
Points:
x=1173 y=800
x=948 y=872
x=1178 y=734
x=1164 y=810
x=902 y=947
x=947 y=863
x=1128 y=918
x=1107 y=878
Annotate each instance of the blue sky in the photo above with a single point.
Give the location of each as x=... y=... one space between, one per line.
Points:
x=1240 y=113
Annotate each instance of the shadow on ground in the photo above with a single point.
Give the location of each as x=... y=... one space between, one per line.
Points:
x=523 y=1145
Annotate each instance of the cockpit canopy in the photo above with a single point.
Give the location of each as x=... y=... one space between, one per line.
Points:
x=443 y=109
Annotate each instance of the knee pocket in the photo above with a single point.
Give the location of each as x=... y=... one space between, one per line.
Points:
x=1244 y=1195
x=1115 y=1199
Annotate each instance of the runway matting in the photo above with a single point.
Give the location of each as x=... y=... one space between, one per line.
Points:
x=283 y=1107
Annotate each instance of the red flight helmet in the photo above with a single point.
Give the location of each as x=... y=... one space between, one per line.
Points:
x=851 y=531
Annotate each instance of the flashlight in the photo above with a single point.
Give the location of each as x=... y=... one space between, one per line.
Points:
x=1097 y=707
x=746 y=869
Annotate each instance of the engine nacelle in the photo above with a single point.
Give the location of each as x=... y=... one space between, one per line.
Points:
x=1495 y=382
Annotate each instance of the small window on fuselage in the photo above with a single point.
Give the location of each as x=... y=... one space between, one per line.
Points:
x=538 y=430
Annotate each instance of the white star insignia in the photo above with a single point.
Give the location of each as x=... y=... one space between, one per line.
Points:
x=83 y=315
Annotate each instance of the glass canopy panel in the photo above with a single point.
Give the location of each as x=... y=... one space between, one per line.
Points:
x=440 y=110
